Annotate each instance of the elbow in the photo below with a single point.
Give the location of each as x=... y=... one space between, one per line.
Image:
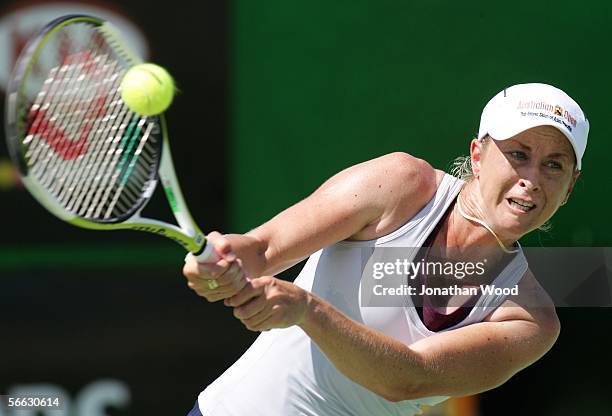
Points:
x=406 y=391
x=392 y=398
x=444 y=385
x=416 y=384
x=415 y=392
x=399 y=395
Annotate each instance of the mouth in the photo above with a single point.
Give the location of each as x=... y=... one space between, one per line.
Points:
x=520 y=204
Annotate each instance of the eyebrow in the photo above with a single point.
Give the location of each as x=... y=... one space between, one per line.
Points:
x=559 y=154
x=524 y=146
x=556 y=154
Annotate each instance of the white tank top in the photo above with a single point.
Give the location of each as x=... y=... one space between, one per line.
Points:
x=284 y=373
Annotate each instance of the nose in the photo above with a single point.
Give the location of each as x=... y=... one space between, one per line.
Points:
x=529 y=180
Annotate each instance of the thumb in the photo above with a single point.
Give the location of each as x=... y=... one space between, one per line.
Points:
x=222 y=246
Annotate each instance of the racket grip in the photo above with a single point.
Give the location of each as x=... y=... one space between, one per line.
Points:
x=208 y=255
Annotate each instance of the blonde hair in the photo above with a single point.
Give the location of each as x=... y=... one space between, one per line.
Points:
x=461 y=166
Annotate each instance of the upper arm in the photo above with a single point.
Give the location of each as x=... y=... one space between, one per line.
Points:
x=362 y=202
x=482 y=356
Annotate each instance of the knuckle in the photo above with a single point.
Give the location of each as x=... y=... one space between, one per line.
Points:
x=212 y=297
x=189 y=271
x=223 y=280
x=258 y=282
x=237 y=285
x=222 y=243
x=214 y=273
x=231 y=270
x=239 y=275
x=203 y=268
x=250 y=327
x=223 y=264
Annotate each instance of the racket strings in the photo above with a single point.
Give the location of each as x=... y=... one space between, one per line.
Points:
x=84 y=166
x=96 y=165
x=77 y=105
x=61 y=113
x=69 y=112
x=83 y=145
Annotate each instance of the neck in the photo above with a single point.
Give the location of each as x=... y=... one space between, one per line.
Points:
x=469 y=228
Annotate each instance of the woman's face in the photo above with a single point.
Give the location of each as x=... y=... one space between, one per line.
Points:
x=523 y=180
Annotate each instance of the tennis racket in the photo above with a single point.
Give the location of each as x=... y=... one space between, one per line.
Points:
x=79 y=149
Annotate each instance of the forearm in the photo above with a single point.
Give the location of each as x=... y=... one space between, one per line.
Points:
x=376 y=361
x=460 y=362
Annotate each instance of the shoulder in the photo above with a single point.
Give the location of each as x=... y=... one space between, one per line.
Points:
x=402 y=174
x=400 y=185
x=404 y=166
x=389 y=178
x=413 y=176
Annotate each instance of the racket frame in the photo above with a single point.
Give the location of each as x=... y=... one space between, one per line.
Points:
x=187 y=233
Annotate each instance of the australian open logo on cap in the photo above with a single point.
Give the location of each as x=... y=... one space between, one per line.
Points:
x=546 y=110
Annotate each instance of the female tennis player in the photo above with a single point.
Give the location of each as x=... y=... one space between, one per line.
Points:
x=326 y=350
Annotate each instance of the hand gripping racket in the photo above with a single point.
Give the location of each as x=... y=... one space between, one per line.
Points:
x=80 y=151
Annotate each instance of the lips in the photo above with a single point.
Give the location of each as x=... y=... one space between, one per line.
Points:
x=521 y=204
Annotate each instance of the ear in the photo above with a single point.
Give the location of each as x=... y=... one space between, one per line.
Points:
x=476 y=152
x=571 y=186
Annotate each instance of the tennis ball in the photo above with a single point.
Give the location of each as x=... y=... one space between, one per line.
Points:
x=147 y=89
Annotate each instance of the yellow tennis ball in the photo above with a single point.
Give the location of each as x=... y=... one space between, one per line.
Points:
x=147 y=89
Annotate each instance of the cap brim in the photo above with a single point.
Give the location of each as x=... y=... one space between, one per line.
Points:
x=506 y=131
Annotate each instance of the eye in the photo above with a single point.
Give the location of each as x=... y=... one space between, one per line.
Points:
x=553 y=164
x=518 y=155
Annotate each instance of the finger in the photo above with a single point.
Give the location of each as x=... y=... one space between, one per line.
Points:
x=237 y=284
x=213 y=270
x=232 y=282
x=250 y=308
x=190 y=269
x=205 y=274
x=215 y=297
x=261 y=321
x=228 y=290
x=222 y=245
x=236 y=288
x=210 y=295
x=230 y=275
x=208 y=286
x=250 y=290
x=194 y=270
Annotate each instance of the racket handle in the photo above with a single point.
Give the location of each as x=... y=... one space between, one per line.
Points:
x=208 y=255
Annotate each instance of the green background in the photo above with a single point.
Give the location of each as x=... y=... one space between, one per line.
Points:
x=318 y=86
x=314 y=87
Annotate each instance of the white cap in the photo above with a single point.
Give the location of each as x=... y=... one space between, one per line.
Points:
x=524 y=106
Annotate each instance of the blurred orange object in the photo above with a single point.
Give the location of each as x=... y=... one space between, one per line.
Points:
x=455 y=406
